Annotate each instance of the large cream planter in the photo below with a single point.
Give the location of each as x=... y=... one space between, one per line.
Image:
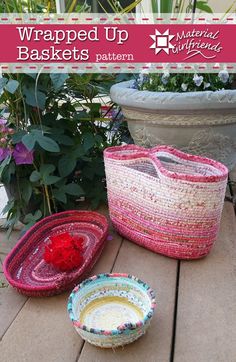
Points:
x=202 y=123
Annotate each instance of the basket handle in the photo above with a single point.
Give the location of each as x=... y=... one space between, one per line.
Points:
x=218 y=171
x=127 y=152
x=132 y=153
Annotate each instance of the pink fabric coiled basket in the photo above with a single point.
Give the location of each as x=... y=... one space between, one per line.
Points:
x=25 y=267
x=165 y=200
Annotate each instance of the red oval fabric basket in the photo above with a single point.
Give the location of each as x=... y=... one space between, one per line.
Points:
x=25 y=267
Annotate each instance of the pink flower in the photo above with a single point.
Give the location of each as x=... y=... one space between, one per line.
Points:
x=4 y=129
x=22 y=155
x=4 y=153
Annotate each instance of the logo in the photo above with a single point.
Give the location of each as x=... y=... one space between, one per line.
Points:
x=198 y=42
x=190 y=43
x=162 y=42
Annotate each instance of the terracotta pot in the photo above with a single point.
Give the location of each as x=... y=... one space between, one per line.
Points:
x=202 y=123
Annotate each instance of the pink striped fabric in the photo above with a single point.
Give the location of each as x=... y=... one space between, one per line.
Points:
x=165 y=200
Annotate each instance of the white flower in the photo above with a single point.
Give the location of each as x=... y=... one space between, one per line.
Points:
x=165 y=77
x=184 y=87
x=166 y=73
x=140 y=78
x=198 y=79
x=224 y=76
x=206 y=85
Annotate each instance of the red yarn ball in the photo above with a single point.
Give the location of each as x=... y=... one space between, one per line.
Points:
x=65 y=251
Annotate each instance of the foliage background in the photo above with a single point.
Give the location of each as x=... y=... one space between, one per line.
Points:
x=60 y=118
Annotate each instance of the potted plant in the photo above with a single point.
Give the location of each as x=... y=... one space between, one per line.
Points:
x=193 y=112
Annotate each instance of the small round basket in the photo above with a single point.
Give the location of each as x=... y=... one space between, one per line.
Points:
x=111 y=310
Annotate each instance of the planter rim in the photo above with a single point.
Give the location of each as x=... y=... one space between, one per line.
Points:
x=124 y=95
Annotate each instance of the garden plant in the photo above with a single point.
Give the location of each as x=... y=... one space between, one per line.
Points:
x=53 y=130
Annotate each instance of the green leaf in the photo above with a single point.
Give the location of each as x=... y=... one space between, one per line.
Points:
x=44 y=175
x=63 y=139
x=166 y=6
x=73 y=189
x=50 y=180
x=93 y=168
x=46 y=169
x=32 y=75
x=4 y=164
x=89 y=172
x=61 y=183
x=78 y=152
x=47 y=143
x=66 y=165
x=8 y=207
x=8 y=171
x=58 y=79
x=94 y=108
x=203 y=6
x=26 y=190
x=81 y=115
x=29 y=93
x=38 y=130
x=29 y=141
x=99 y=139
x=17 y=137
x=89 y=141
x=12 y=86
x=60 y=196
x=3 y=82
x=30 y=219
x=35 y=176
x=46 y=178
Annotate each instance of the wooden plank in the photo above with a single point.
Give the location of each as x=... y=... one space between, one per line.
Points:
x=42 y=331
x=3 y=280
x=10 y=304
x=206 y=319
x=6 y=244
x=160 y=273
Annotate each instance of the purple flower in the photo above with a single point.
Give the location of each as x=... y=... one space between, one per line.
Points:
x=4 y=153
x=22 y=155
x=3 y=121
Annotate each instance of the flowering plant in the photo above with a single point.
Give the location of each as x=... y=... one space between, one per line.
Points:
x=51 y=145
x=19 y=152
x=181 y=82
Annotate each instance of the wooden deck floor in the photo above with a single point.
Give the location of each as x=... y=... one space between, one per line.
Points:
x=195 y=320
